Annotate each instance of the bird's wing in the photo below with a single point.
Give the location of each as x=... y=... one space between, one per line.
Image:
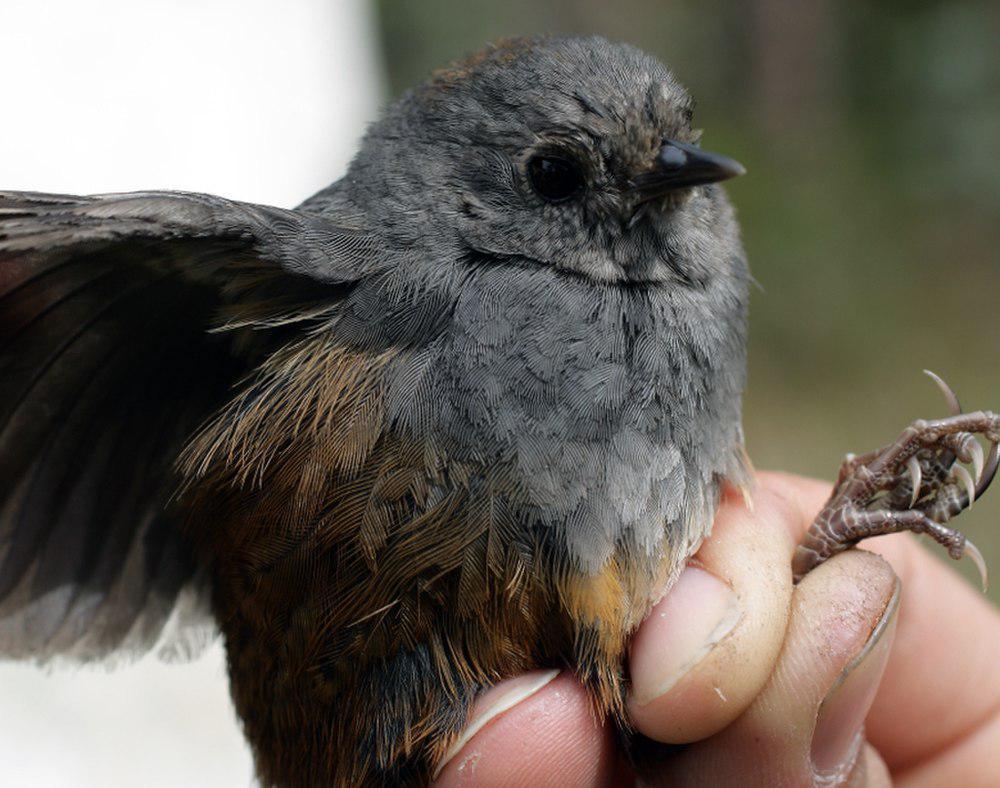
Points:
x=107 y=365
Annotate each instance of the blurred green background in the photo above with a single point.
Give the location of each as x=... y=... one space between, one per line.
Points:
x=871 y=211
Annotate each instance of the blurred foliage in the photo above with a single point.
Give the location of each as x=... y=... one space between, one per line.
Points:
x=871 y=211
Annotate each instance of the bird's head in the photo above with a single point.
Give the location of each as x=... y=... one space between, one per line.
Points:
x=573 y=153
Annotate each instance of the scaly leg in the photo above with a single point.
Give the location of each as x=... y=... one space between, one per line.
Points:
x=914 y=484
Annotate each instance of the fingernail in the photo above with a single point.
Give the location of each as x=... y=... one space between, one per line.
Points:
x=839 y=731
x=494 y=702
x=682 y=629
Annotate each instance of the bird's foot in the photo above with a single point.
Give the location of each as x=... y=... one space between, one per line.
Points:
x=918 y=483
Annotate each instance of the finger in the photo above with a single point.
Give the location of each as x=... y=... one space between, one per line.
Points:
x=806 y=726
x=708 y=647
x=942 y=673
x=538 y=729
x=970 y=763
x=803 y=496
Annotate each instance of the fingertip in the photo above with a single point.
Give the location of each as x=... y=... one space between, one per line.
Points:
x=682 y=630
x=707 y=648
x=806 y=725
x=550 y=738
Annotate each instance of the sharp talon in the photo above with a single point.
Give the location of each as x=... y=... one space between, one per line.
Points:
x=977 y=461
x=992 y=461
x=966 y=478
x=972 y=552
x=952 y=399
x=916 y=478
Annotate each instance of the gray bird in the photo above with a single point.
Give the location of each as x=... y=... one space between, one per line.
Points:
x=462 y=414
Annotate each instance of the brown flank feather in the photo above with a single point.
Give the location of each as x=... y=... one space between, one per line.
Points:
x=343 y=554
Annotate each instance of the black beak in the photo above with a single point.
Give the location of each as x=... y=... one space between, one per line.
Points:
x=679 y=165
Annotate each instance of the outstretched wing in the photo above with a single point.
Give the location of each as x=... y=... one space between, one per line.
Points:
x=107 y=365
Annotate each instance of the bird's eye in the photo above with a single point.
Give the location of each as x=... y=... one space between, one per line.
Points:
x=555 y=178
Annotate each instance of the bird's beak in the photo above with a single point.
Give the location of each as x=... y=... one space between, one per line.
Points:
x=679 y=165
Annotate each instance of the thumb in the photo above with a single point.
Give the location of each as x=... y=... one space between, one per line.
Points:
x=807 y=725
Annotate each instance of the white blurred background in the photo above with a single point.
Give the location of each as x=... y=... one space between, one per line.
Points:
x=251 y=99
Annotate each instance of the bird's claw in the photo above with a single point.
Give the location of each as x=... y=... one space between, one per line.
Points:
x=972 y=552
x=949 y=394
x=989 y=471
x=915 y=484
x=916 y=479
x=965 y=477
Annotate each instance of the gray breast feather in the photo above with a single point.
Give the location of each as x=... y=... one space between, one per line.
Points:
x=617 y=416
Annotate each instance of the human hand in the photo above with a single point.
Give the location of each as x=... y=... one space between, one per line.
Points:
x=849 y=677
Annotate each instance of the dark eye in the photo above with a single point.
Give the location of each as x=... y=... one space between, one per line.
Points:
x=555 y=178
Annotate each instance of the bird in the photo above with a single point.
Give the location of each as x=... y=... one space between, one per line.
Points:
x=464 y=413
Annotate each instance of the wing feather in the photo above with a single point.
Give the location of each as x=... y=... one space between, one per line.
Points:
x=108 y=364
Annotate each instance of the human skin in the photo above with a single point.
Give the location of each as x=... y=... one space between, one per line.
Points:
x=877 y=669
